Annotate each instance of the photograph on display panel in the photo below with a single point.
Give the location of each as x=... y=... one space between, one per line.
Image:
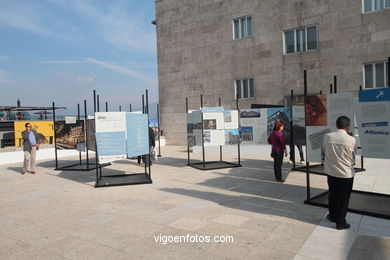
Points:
x=316 y=110
x=69 y=135
x=230 y=119
x=232 y=136
x=91 y=134
x=209 y=124
x=280 y=114
x=254 y=121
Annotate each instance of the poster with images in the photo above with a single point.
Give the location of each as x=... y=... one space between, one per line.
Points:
x=69 y=135
x=341 y=104
x=137 y=134
x=254 y=126
x=316 y=110
x=232 y=136
x=279 y=114
x=373 y=120
x=110 y=136
x=45 y=130
x=298 y=119
x=214 y=137
x=230 y=118
x=213 y=121
x=314 y=140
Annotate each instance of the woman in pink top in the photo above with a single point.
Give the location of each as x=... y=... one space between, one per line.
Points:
x=278 y=141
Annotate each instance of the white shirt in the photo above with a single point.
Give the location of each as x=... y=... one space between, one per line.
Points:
x=339 y=149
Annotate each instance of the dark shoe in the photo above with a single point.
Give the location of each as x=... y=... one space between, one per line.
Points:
x=329 y=218
x=23 y=172
x=33 y=172
x=281 y=180
x=344 y=226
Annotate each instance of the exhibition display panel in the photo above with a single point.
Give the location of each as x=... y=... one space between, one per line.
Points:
x=213 y=126
x=372 y=111
x=73 y=134
x=118 y=136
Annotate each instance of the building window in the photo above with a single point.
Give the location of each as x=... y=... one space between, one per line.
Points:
x=375 y=75
x=245 y=88
x=300 y=39
x=242 y=27
x=375 y=5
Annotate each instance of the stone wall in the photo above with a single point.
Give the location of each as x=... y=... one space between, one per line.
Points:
x=197 y=53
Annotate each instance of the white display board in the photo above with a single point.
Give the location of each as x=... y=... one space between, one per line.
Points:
x=254 y=126
x=322 y=112
x=373 y=116
x=220 y=127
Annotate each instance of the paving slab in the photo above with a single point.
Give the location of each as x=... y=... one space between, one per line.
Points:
x=60 y=215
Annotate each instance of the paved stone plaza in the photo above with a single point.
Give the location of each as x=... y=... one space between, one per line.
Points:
x=56 y=215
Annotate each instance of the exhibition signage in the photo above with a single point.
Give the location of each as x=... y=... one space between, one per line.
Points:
x=44 y=128
x=110 y=134
x=69 y=135
x=258 y=124
x=298 y=120
x=121 y=135
x=373 y=116
x=137 y=134
x=218 y=127
x=322 y=112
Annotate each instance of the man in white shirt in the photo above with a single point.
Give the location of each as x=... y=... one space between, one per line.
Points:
x=339 y=150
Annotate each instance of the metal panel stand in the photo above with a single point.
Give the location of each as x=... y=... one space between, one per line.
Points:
x=212 y=165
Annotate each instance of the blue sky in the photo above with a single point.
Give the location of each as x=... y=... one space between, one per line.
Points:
x=60 y=50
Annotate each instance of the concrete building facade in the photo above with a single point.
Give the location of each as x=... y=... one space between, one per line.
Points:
x=198 y=52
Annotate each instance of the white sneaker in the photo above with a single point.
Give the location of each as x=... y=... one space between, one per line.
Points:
x=303 y=162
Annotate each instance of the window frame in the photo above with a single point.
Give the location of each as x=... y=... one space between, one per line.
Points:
x=373 y=3
x=294 y=30
x=373 y=67
x=242 y=88
x=240 y=24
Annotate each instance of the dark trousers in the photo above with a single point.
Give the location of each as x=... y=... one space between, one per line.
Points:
x=300 y=152
x=339 y=193
x=278 y=161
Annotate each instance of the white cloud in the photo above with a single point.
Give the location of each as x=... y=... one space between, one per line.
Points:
x=61 y=62
x=118 y=28
x=80 y=79
x=136 y=74
x=21 y=16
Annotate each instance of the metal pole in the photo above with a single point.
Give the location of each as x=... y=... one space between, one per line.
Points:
x=147 y=111
x=94 y=100
x=203 y=151
x=292 y=147
x=143 y=104
x=188 y=145
x=86 y=130
x=55 y=140
x=158 y=131
x=98 y=103
x=320 y=92
x=120 y=108
x=130 y=108
x=307 y=161
x=388 y=72
x=220 y=147
x=78 y=118
x=106 y=106
x=331 y=89
x=335 y=84
x=239 y=129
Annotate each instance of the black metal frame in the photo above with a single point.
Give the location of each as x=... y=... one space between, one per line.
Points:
x=221 y=164
x=103 y=180
x=83 y=166
x=310 y=200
